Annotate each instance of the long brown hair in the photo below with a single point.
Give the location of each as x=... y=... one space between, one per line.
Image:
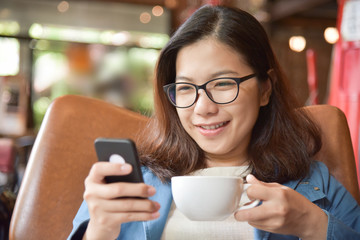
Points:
x=284 y=138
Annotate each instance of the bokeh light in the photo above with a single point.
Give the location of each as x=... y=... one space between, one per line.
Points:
x=157 y=11
x=36 y=30
x=297 y=43
x=331 y=35
x=120 y=38
x=63 y=6
x=145 y=17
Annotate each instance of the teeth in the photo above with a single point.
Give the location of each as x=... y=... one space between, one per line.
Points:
x=213 y=126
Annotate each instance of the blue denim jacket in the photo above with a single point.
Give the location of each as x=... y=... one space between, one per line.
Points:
x=319 y=187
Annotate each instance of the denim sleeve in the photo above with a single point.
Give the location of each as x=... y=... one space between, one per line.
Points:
x=341 y=208
x=80 y=222
x=337 y=230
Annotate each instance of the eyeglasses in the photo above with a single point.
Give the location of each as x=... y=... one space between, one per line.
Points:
x=219 y=90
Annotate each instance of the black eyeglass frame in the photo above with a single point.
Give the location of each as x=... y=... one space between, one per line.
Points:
x=203 y=86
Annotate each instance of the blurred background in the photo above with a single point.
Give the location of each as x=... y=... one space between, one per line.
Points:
x=107 y=49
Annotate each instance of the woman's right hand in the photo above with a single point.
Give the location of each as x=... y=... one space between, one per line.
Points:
x=108 y=210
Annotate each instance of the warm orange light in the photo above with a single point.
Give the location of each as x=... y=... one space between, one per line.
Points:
x=157 y=11
x=63 y=6
x=145 y=17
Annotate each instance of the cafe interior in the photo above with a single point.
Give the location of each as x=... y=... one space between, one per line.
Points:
x=106 y=50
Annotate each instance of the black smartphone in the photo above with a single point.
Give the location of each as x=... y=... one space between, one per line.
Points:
x=119 y=150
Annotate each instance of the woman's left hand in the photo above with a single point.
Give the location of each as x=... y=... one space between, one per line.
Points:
x=283 y=211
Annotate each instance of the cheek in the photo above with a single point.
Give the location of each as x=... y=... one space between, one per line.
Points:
x=184 y=117
x=250 y=97
x=246 y=107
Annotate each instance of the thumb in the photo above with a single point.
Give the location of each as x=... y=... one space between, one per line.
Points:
x=252 y=179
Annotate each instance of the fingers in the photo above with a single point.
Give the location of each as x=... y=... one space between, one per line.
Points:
x=129 y=205
x=271 y=195
x=137 y=216
x=111 y=204
x=101 y=169
x=258 y=213
x=253 y=180
x=95 y=186
x=262 y=190
x=126 y=217
x=118 y=190
x=281 y=210
x=139 y=210
x=108 y=210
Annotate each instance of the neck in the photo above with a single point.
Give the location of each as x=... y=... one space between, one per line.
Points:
x=216 y=161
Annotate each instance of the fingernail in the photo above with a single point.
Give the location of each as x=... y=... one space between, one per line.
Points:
x=250 y=177
x=125 y=167
x=155 y=215
x=151 y=190
x=157 y=205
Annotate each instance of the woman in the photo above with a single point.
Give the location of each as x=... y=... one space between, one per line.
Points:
x=221 y=104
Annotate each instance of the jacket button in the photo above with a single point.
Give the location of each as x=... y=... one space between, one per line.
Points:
x=316 y=188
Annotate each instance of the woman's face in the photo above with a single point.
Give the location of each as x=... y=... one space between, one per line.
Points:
x=222 y=131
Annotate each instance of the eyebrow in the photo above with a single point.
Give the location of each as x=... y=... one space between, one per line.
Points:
x=212 y=76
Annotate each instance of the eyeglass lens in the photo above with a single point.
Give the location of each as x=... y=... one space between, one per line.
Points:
x=218 y=90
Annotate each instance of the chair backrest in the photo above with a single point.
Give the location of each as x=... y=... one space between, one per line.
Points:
x=53 y=185
x=337 y=150
x=63 y=152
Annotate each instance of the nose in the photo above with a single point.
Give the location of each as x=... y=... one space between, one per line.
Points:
x=204 y=105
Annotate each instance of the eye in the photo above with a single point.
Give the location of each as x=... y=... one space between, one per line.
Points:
x=224 y=83
x=184 y=88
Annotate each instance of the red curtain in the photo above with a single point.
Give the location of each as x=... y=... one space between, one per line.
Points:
x=345 y=73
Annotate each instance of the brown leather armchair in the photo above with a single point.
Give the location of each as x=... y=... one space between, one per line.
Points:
x=53 y=185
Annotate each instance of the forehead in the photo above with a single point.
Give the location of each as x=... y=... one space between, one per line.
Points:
x=207 y=56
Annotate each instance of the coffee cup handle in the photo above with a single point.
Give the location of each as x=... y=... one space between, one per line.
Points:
x=248 y=204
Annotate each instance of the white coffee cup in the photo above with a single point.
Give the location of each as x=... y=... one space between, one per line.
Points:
x=210 y=198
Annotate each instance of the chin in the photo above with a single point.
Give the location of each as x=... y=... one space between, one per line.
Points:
x=214 y=150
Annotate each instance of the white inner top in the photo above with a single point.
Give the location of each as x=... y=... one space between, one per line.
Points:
x=180 y=227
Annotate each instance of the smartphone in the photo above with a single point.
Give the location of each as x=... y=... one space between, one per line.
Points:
x=119 y=150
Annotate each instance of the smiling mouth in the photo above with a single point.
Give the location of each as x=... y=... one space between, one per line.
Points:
x=212 y=127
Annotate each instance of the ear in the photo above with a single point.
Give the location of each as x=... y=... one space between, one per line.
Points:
x=266 y=89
